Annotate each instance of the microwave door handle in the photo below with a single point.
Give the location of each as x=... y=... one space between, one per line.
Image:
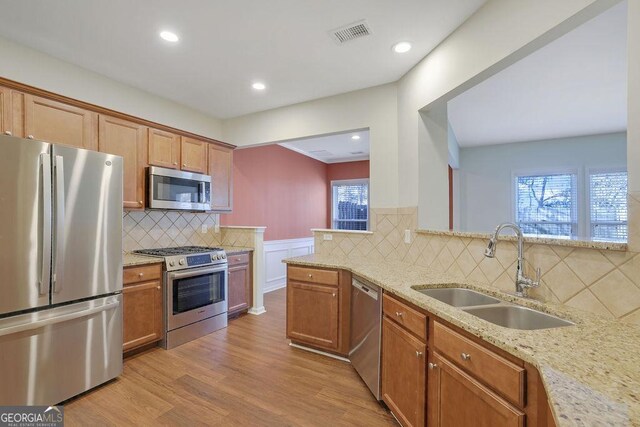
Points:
x=45 y=277
x=202 y=198
x=60 y=201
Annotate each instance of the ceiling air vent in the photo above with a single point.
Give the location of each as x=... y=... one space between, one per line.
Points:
x=321 y=153
x=350 y=32
x=356 y=152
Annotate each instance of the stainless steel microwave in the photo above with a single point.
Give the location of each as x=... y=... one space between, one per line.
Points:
x=178 y=190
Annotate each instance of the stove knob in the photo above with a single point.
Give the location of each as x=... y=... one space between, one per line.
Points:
x=172 y=263
x=182 y=262
x=223 y=256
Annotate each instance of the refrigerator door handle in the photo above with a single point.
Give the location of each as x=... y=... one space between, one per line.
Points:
x=45 y=277
x=203 y=195
x=60 y=201
x=58 y=319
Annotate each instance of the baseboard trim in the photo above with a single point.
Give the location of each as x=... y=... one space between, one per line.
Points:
x=313 y=350
x=256 y=311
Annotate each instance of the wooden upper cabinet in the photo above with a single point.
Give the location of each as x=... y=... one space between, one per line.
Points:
x=60 y=123
x=5 y=109
x=221 y=171
x=194 y=155
x=164 y=149
x=126 y=139
x=457 y=399
x=403 y=373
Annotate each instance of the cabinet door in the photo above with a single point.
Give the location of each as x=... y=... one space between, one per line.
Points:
x=194 y=155
x=221 y=171
x=164 y=149
x=5 y=110
x=312 y=314
x=142 y=314
x=60 y=123
x=239 y=288
x=126 y=139
x=403 y=374
x=457 y=399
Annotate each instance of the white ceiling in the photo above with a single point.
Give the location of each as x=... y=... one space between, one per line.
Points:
x=226 y=45
x=336 y=148
x=576 y=85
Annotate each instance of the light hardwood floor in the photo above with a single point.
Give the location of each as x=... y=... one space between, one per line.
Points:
x=244 y=375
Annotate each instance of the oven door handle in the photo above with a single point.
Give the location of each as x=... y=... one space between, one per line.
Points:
x=198 y=272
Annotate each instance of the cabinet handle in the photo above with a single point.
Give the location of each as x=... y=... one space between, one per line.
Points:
x=8 y=132
x=418 y=353
x=399 y=313
x=432 y=366
x=465 y=356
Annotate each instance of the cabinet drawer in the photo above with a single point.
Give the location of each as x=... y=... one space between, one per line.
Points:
x=142 y=273
x=503 y=376
x=237 y=259
x=411 y=319
x=313 y=275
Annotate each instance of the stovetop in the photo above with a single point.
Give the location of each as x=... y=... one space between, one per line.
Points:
x=178 y=250
x=184 y=257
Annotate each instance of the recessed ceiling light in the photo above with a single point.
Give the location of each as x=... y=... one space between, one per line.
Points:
x=355 y=137
x=169 y=36
x=402 y=47
x=259 y=86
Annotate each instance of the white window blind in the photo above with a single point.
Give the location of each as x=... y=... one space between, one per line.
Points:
x=546 y=205
x=608 y=206
x=350 y=210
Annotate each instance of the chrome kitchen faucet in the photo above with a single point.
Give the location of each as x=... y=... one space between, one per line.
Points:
x=523 y=283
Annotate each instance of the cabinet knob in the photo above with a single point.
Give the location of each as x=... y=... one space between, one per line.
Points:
x=432 y=366
x=158 y=287
x=399 y=313
x=175 y=163
x=30 y=137
x=465 y=356
x=333 y=294
x=418 y=353
x=140 y=274
x=8 y=132
x=140 y=202
x=184 y=165
x=310 y=276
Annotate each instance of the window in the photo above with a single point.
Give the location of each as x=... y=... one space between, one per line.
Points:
x=608 y=206
x=350 y=206
x=546 y=205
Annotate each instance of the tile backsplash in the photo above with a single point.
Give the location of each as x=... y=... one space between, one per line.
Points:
x=155 y=229
x=605 y=282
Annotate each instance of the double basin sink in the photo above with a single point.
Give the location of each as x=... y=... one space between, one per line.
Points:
x=496 y=311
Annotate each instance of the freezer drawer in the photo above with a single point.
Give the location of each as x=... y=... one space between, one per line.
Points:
x=52 y=355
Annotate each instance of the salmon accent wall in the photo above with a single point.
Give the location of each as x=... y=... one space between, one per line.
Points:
x=340 y=171
x=280 y=189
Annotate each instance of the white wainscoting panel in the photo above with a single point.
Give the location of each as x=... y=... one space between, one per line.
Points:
x=277 y=250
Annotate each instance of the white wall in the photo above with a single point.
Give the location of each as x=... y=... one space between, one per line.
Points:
x=277 y=250
x=500 y=33
x=374 y=108
x=633 y=112
x=486 y=173
x=28 y=66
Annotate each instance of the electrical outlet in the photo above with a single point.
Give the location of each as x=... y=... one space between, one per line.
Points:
x=216 y=228
x=327 y=236
x=204 y=228
x=407 y=236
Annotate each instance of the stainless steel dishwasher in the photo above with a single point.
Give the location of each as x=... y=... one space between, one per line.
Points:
x=366 y=316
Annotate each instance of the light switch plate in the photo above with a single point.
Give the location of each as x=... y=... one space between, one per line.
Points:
x=204 y=228
x=407 y=236
x=327 y=236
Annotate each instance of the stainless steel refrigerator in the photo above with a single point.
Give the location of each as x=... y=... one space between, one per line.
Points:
x=60 y=271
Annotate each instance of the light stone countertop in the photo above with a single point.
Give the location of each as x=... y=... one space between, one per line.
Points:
x=591 y=371
x=131 y=259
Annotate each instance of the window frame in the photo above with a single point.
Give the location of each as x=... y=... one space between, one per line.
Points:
x=340 y=182
x=579 y=190
x=587 y=178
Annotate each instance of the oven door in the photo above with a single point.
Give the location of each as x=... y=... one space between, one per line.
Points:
x=195 y=294
x=170 y=189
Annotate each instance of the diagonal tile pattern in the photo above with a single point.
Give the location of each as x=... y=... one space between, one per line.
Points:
x=600 y=281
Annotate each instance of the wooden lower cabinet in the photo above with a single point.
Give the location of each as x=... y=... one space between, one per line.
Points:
x=403 y=373
x=142 y=307
x=458 y=399
x=240 y=283
x=312 y=314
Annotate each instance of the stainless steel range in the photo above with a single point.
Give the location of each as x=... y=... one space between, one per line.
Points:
x=195 y=283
